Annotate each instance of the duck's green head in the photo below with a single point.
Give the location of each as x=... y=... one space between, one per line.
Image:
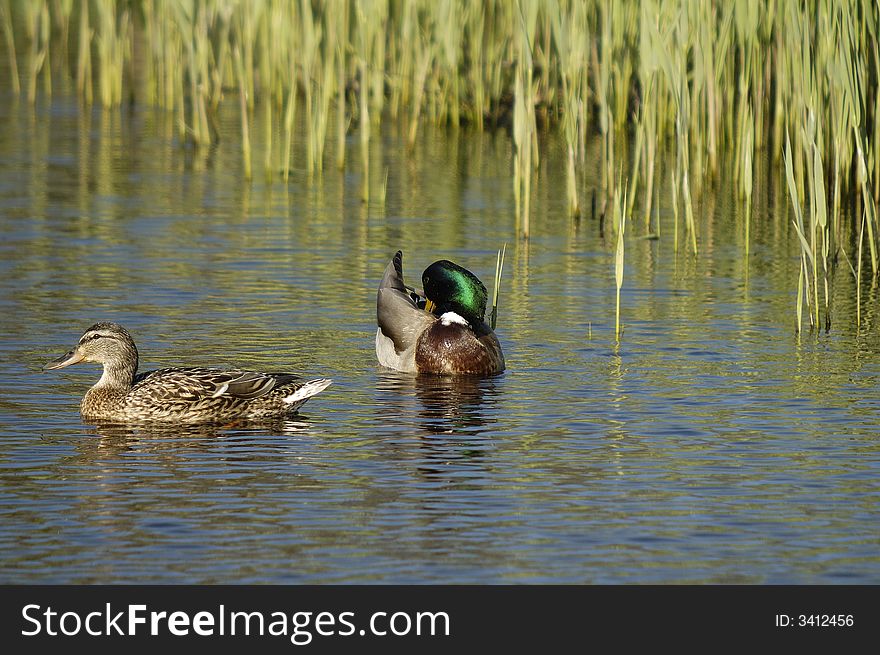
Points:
x=451 y=288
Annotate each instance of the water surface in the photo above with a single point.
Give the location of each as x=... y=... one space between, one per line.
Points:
x=713 y=445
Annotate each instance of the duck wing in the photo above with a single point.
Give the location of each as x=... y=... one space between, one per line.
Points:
x=397 y=311
x=200 y=383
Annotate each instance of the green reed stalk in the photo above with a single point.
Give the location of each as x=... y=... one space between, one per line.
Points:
x=6 y=20
x=179 y=92
x=422 y=66
x=370 y=25
x=573 y=47
x=602 y=63
x=248 y=36
x=289 y=116
x=571 y=137
x=341 y=36
x=650 y=53
x=649 y=116
x=693 y=79
x=499 y=266
x=869 y=222
x=266 y=72
x=365 y=135
x=376 y=25
x=746 y=21
x=673 y=193
x=620 y=205
x=186 y=25
x=215 y=63
x=45 y=26
x=242 y=94
x=673 y=63
x=807 y=254
x=521 y=164
x=476 y=23
x=327 y=89
x=858 y=274
x=747 y=174
x=636 y=160
x=38 y=50
x=819 y=233
x=524 y=128
x=106 y=39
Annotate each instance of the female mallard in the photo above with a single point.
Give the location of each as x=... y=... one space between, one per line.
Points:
x=448 y=336
x=189 y=395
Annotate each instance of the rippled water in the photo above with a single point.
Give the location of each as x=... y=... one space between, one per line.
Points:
x=714 y=445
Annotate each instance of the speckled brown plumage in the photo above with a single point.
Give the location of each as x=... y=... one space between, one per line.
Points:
x=186 y=395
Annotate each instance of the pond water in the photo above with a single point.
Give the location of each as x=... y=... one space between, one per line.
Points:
x=713 y=445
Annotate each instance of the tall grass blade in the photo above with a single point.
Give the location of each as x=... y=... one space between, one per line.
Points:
x=499 y=266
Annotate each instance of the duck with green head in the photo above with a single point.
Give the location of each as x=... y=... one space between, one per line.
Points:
x=442 y=333
x=183 y=395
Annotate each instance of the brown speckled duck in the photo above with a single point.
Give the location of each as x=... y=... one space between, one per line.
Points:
x=186 y=395
x=447 y=336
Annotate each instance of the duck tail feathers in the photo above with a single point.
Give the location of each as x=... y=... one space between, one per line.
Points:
x=393 y=278
x=307 y=390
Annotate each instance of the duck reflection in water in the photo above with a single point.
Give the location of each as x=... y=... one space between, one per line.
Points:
x=451 y=417
x=456 y=405
x=242 y=440
x=462 y=406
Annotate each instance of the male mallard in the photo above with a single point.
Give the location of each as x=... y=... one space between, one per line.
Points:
x=189 y=395
x=448 y=336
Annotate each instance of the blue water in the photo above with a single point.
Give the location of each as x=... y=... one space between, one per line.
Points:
x=711 y=445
